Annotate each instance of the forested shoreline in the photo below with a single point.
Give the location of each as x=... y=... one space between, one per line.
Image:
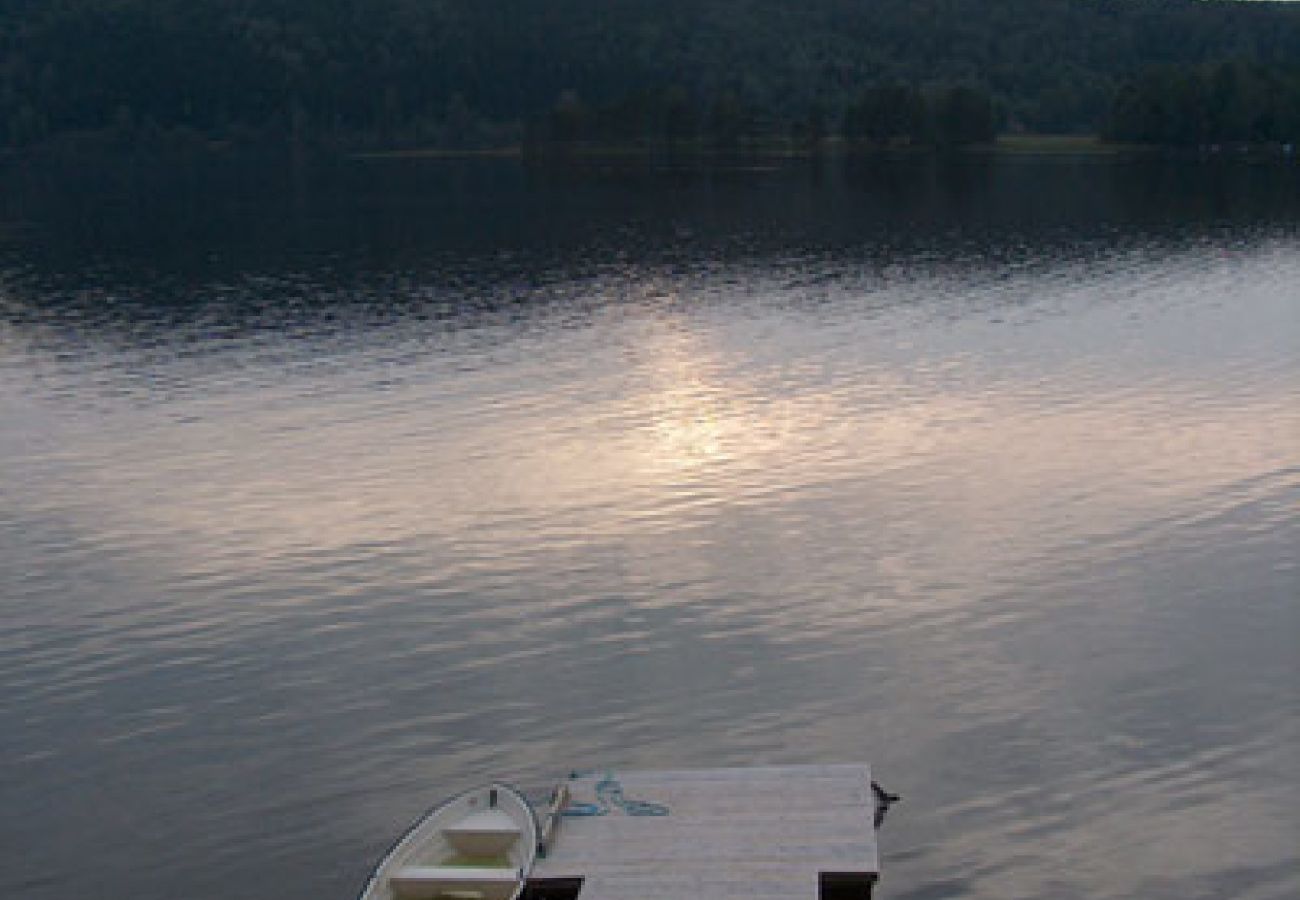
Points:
x=720 y=74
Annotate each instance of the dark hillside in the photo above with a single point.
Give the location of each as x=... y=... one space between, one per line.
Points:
x=474 y=71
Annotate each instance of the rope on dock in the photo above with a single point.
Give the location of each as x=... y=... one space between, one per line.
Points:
x=609 y=794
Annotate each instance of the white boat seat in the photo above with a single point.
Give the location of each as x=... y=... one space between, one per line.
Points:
x=487 y=832
x=432 y=881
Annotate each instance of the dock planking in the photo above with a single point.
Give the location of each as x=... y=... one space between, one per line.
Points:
x=779 y=831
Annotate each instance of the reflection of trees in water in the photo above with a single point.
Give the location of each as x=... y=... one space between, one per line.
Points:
x=165 y=233
x=1205 y=191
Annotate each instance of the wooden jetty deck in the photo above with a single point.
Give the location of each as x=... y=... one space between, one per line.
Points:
x=784 y=832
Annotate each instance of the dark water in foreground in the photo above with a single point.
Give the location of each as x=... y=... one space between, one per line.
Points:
x=325 y=494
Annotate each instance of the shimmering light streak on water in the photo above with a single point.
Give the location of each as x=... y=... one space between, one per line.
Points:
x=290 y=551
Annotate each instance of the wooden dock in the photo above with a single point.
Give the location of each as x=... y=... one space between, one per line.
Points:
x=784 y=832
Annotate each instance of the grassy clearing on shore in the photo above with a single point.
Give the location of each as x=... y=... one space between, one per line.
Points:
x=1064 y=145
x=1057 y=145
x=441 y=153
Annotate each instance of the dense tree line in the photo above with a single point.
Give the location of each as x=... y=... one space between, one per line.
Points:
x=1227 y=103
x=477 y=71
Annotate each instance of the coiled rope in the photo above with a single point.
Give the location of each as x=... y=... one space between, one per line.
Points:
x=609 y=795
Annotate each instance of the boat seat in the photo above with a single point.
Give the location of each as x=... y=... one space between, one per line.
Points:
x=488 y=832
x=435 y=881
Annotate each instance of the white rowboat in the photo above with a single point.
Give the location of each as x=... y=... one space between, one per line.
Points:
x=479 y=845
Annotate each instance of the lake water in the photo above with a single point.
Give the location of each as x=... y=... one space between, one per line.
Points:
x=329 y=490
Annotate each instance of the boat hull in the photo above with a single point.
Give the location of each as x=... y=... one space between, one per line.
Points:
x=480 y=844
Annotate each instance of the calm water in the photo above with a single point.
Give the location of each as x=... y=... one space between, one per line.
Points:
x=325 y=492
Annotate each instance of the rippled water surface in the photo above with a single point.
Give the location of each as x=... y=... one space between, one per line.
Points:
x=325 y=492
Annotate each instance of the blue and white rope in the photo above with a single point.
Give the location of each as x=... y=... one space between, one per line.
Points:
x=609 y=794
